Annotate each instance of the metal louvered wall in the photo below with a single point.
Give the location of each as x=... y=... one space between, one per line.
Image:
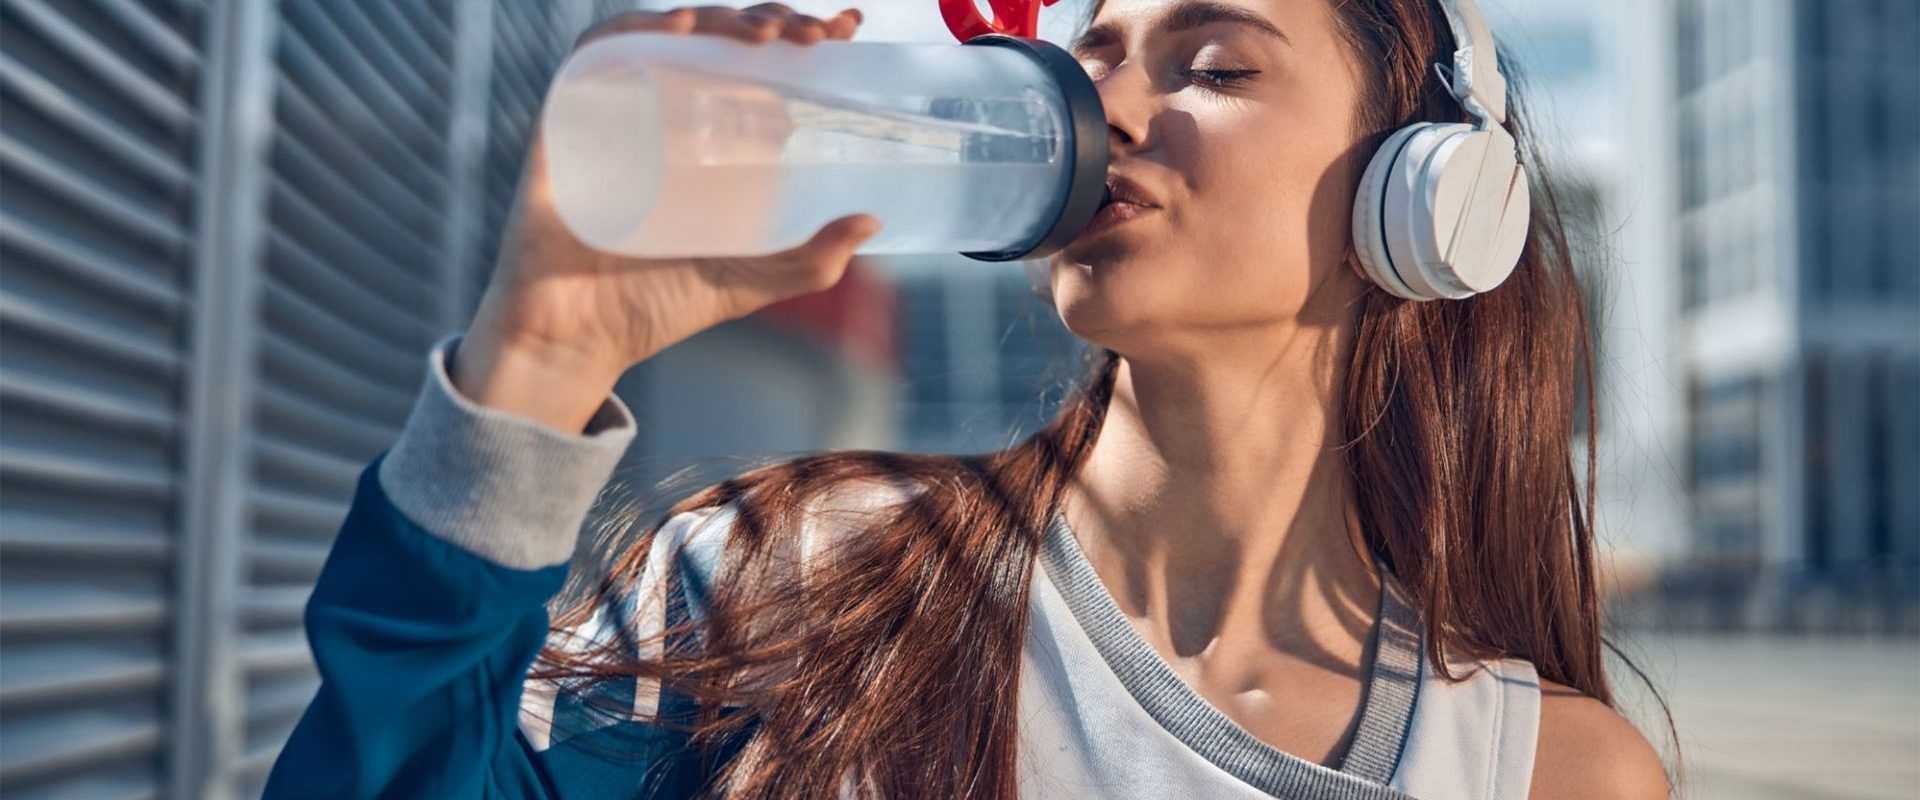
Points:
x=228 y=233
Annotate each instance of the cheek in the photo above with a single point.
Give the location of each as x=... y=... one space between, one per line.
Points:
x=1261 y=200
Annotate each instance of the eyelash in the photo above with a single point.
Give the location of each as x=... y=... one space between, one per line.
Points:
x=1221 y=78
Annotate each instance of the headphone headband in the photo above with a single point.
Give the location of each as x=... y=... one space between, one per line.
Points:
x=1477 y=82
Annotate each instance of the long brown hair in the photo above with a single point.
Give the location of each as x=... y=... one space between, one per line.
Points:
x=892 y=668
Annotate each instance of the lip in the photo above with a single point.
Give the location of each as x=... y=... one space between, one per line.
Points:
x=1113 y=214
x=1127 y=200
x=1126 y=190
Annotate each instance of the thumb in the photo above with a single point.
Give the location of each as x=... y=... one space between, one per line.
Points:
x=825 y=256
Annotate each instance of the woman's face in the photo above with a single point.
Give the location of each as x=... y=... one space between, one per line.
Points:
x=1235 y=121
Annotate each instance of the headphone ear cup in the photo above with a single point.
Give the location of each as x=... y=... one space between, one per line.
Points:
x=1486 y=189
x=1466 y=207
x=1369 y=213
x=1441 y=212
x=1413 y=231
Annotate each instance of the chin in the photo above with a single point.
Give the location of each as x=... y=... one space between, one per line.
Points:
x=1102 y=251
x=1102 y=309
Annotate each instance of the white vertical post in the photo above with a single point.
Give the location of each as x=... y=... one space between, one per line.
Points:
x=236 y=132
x=466 y=161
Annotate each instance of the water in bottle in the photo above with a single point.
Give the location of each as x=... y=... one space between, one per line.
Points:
x=668 y=145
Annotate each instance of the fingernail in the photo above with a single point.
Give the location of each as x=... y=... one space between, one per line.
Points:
x=857 y=16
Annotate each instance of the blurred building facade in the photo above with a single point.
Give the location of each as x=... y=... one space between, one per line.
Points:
x=984 y=360
x=228 y=233
x=1591 y=82
x=1799 y=209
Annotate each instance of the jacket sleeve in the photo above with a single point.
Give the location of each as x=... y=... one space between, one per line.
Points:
x=432 y=606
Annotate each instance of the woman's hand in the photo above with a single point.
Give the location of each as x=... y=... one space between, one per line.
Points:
x=560 y=321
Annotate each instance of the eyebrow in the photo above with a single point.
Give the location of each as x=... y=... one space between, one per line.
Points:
x=1183 y=17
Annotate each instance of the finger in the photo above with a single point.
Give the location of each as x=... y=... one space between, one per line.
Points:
x=679 y=20
x=770 y=9
x=749 y=27
x=804 y=29
x=843 y=25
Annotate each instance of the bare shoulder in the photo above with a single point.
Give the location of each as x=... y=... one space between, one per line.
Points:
x=1587 y=751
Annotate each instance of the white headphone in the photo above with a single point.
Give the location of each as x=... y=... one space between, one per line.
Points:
x=1442 y=209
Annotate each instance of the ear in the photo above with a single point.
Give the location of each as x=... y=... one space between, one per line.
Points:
x=1352 y=259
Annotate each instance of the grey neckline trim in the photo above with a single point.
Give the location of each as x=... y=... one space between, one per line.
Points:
x=1387 y=711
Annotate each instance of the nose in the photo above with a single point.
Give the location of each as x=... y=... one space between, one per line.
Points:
x=1125 y=94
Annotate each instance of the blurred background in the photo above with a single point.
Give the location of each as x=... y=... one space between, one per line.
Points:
x=230 y=230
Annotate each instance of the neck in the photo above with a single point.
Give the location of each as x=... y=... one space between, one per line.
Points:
x=1215 y=503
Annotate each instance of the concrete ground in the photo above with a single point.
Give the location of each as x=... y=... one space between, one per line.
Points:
x=1766 y=717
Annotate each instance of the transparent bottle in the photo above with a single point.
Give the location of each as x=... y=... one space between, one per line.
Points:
x=669 y=145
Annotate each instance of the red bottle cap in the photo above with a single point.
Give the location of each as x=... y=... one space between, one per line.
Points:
x=1010 y=17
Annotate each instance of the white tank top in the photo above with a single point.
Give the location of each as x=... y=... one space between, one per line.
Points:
x=1102 y=715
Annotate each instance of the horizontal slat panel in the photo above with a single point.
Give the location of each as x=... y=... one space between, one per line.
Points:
x=81 y=684
x=390 y=221
x=83 y=263
x=298 y=512
x=281 y=562
x=330 y=331
x=24 y=538
x=279 y=711
x=100 y=132
x=349 y=250
x=84 y=194
x=291 y=415
x=365 y=194
x=290 y=263
x=87 y=339
x=404 y=184
x=290 y=363
x=403 y=79
x=291 y=463
x=42 y=758
x=414 y=47
x=278 y=607
x=107 y=69
x=85 y=407
x=432 y=24
x=343 y=57
x=17 y=464
x=306 y=68
x=284 y=652
x=157 y=37
x=81 y=619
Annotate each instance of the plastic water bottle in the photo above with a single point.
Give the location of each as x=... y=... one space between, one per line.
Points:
x=668 y=145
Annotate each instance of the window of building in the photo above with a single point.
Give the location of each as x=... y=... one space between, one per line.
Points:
x=1725 y=467
x=1815 y=502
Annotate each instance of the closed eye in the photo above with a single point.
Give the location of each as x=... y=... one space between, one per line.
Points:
x=1220 y=78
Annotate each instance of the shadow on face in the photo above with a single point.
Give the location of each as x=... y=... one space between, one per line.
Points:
x=1234 y=154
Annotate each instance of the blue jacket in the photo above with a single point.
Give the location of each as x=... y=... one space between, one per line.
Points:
x=422 y=649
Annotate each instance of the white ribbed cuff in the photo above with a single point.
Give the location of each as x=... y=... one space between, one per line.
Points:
x=497 y=484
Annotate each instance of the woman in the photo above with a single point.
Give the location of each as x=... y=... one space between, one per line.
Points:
x=1292 y=535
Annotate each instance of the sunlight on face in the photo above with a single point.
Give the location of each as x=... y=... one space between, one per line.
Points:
x=1235 y=121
